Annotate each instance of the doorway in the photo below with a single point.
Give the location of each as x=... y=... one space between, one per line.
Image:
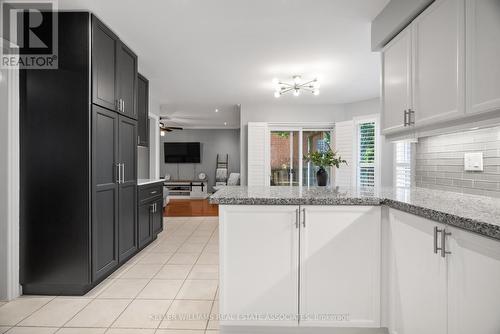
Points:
x=288 y=148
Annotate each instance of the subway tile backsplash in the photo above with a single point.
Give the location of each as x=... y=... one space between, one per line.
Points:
x=440 y=162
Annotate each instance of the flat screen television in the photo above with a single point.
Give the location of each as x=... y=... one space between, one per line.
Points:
x=182 y=152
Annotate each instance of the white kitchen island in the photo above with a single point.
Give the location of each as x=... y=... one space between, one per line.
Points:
x=322 y=260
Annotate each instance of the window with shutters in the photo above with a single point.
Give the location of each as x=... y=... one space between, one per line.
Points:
x=366 y=154
x=402 y=175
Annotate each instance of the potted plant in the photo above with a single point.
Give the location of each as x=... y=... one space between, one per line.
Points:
x=324 y=159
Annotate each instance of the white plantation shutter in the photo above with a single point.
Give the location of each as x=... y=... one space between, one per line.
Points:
x=366 y=154
x=344 y=143
x=257 y=154
x=402 y=177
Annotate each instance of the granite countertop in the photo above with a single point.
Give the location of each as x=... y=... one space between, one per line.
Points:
x=479 y=214
x=141 y=182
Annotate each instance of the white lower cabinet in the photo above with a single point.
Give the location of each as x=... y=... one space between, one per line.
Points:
x=259 y=247
x=455 y=292
x=417 y=276
x=338 y=248
x=473 y=283
x=340 y=266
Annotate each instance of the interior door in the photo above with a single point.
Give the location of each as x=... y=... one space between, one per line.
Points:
x=104 y=50
x=438 y=61
x=127 y=80
x=105 y=188
x=262 y=277
x=128 y=187
x=417 y=276
x=340 y=266
x=396 y=81
x=473 y=283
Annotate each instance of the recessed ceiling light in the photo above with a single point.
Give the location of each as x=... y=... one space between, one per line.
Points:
x=216 y=110
x=225 y=123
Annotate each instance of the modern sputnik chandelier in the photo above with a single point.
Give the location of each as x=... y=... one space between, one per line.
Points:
x=296 y=87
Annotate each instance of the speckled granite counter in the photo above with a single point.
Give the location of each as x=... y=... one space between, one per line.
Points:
x=477 y=214
x=142 y=182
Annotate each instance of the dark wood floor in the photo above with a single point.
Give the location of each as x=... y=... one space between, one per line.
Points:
x=190 y=208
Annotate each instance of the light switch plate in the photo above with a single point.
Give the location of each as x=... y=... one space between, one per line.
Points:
x=473 y=161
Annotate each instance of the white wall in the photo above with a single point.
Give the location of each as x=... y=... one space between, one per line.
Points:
x=309 y=113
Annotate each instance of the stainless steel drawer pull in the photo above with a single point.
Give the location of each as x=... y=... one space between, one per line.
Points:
x=436 y=231
x=444 y=234
x=154 y=192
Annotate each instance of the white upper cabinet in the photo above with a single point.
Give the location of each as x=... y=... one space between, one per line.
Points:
x=396 y=82
x=438 y=62
x=454 y=56
x=340 y=265
x=474 y=283
x=417 y=276
x=483 y=55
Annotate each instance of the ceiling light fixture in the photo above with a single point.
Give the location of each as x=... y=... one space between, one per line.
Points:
x=216 y=110
x=296 y=87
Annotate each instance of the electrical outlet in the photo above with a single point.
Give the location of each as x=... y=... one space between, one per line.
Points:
x=473 y=161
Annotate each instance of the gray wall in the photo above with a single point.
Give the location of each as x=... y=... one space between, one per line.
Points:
x=440 y=162
x=142 y=162
x=213 y=141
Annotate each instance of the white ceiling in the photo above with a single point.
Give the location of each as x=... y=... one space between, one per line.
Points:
x=208 y=53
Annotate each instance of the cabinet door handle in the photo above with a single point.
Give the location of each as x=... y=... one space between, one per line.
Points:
x=118 y=174
x=411 y=120
x=304 y=218
x=405 y=117
x=297 y=218
x=436 y=231
x=444 y=234
x=123 y=172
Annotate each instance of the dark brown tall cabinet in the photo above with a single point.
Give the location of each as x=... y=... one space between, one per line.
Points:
x=78 y=127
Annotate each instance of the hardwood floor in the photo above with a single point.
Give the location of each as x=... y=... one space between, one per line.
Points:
x=190 y=208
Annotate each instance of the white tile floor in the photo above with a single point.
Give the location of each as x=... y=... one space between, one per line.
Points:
x=174 y=278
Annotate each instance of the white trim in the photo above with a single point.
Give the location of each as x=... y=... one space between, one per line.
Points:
x=12 y=287
x=154 y=150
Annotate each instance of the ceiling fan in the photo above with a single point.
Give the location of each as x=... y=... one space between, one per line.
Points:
x=166 y=128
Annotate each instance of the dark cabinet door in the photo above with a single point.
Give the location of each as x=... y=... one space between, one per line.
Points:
x=105 y=189
x=143 y=110
x=127 y=81
x=127 y=157
x=145 y=230
x=104 y=51
x=158 y=217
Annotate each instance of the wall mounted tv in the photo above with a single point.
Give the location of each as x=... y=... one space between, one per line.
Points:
x=182 y=152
